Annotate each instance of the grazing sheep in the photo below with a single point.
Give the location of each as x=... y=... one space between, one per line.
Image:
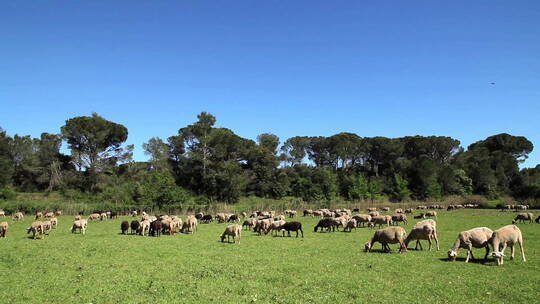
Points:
x=134 y=226
x=421 y=207
x=233 y=218
x=207 y=219
x=291 y=213
x=308 y=212
x=388 y=235
x=4 y=226
x=18 y=216
x=408 y=210
x=537 y=220
x=328 y=223
x=399 y=218
x=39 y=215
x=36 y=228
x=374 y=213
x=263 y=226
x=47 y=226
x=199 y=215
x=474 y=238
x=249 y=223
x=429 y=214
x=77 y=217
x=275 y=226
x=351 y=223
x=49 y=214
x=79 y=224
x=103 y=216
x=232 y=230
x=58 y=212
x=279 y=218
x=317 y=213
x=420 y=216
x=372 y=209
x=380 y=220
x=2 y=212
x=221 y=217
x=398 y=210
x=385 y=208
x=134 y=213
x=94 y=216
x=423 y=231
x=124 y=227
x=506 y=236
x=292 y=226
x=522 y=217
x=362 y=219
x=54 y=223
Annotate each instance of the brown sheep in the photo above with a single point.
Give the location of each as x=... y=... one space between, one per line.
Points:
x=232 y=230
x=36 y=228
x=18 y=216
x=4 y=226
x=389 y=235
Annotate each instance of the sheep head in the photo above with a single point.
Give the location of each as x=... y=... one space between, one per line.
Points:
x=452 y=254
x=367 y=246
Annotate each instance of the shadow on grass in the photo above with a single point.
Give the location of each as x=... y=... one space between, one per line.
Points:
x=475 y=261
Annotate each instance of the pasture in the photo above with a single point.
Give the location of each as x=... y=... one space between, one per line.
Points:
x=104 y=266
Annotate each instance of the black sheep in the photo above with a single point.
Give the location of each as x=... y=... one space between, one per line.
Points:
x=155 y=228
x=292 y=226
x=124 y=227
x=135 y=226
x=328 y=223
x=207 y=218
x=233 y=218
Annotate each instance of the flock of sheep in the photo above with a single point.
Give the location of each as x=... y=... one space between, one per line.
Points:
x=264 y=222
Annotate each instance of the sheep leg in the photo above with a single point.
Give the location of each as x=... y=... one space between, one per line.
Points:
x=487 y=253
x=468 y=256
x=429 y=241
x=520 y=242
x=513 y=251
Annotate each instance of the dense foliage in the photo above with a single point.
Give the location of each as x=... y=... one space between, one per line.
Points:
x=209 y=163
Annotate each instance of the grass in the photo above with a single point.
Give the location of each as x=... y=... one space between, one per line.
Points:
x=106 y=267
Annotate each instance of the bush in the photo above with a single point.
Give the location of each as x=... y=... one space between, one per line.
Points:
x=7 y=193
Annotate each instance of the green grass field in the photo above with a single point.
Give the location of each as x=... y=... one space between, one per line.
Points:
x=104 y=266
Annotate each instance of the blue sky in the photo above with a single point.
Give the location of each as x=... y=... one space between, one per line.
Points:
x=376 y=68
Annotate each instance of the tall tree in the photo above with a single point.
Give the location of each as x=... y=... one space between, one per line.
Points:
x=158 y=152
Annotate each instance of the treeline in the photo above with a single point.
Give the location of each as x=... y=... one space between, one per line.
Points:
x=206 y=163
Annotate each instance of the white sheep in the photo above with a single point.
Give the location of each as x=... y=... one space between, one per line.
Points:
x=4 y=226
x=506 y=236
x=473 y=238
x=81 y=225
x=424 y=230
x=351 y=223
x=362 y=219
x=522 y=217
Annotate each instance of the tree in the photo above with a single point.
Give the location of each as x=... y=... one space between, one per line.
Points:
x=95 y=144
x=6 y=164
x=158 y=152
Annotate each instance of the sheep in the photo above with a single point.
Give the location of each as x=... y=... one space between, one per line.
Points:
x=291 y=213
x=166 y=226
x=79 y=224
x=292 y=226
x=134 y=225
x=362 y=219
x=232 y=230
x=103 y=216
x=134 y=213
x=58 y=212
x=54 y=223
x=49 y=214
x=328 y=223
x=506 y=236
x=522 y=217
x=388 y=235
x=77 y=217
x=144 y=227
x=399 y=218
x=39 y=215
x=191 y=224
x=372 y=209
x=176 y=224
x=420 y=216
x=537 y=220
x=351 y=223
x=221 y=217
x=2 y=213
x=421 y=207
x=317 y=213
x=233 y=218
x=249 y=223
x=36 y=228
x=199 y=215
x=275 y=226
x=408 y=210
x=374 y=213
x=263 y=226
x=207 y=219
x=243 y=214
x=429 y=214
x=94 y=216
x=155 y=228
x=112 y=215
x=380 y=220
x=18 y=216
x=4 y=226
x=308 y=212
x=279 y=218
x=398 y=210
x=47 y=226
x=124 y=226
x=424 y=230
x=385 y=208
x=473 y=238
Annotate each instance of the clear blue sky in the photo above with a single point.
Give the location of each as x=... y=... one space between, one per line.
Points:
x=388 y=68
